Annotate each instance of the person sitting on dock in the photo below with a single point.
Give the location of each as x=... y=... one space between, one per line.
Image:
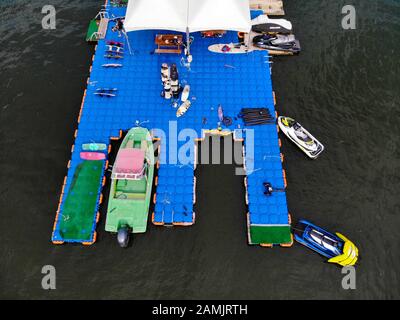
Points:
x=268 y=189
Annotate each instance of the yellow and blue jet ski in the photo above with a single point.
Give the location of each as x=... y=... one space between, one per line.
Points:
x=336 y=247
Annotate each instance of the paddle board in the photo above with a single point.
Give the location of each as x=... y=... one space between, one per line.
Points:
x=230 y=48
x=93 y=156
x=94 y=146
x=112 y=65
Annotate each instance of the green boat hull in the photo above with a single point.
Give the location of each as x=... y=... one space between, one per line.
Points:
x=129 y=200
x=92 y=30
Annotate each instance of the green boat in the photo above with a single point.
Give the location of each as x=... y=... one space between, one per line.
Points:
x=131 y=186
x=98 y=27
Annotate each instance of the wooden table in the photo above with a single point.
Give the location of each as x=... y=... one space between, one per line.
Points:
x=169 y=43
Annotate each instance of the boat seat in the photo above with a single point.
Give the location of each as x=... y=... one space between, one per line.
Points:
x=136 y=196
x=131 y=186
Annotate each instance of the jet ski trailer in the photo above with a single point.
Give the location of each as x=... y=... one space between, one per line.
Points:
x=301 y=137
x=263 y=24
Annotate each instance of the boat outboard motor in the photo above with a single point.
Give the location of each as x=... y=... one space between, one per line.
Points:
x=263 y=24
x=123 y=237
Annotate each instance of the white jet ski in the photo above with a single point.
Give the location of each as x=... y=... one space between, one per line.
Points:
x=263 y=24
x=301 y=137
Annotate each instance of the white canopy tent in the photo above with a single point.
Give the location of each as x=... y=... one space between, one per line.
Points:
x=188 y=15
x=233 y=15
x=156 y=15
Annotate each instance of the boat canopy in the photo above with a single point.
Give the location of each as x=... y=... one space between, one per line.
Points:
x=188 y=15
x=129 y=161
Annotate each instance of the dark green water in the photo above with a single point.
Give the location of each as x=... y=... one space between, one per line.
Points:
x=344 y=87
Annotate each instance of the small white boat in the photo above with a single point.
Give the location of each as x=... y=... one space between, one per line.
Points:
x=301 y=137
x=183 y=108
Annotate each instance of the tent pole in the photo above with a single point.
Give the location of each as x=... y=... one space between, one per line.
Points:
x=127 y=41
x=187 y=42
x=248 y=40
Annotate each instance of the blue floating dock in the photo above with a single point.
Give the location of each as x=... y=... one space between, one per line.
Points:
x=234 y=81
